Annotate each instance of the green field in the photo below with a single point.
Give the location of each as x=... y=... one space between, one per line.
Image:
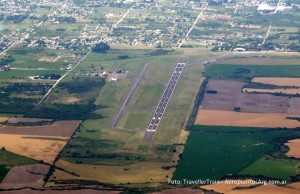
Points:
x=274 y=168
x=26 y=73
x=213 y=152
x=8 y=159
x=247 y=72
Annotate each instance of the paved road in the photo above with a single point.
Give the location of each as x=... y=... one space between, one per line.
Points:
x=192 y=27
x=163 y=103
x=127 y=98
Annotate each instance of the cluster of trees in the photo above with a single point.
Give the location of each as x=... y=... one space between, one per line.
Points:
x=66 y=19
x=27 y=87
x=82 y=85
x=6 y=60
x=294 y=47
x=53 y=111
x=100 y=47
x=16 y=18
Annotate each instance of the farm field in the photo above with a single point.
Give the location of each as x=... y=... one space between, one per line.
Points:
x=69 y=191
x=42 y=142
x=272 y=91
x=248 y=72
x=3 y=119
x=267 y=58
x=278 y=81
x=141 y=172
x=25 y=176
x=246 y=189
x=294 y=148
x=44 y=148
x=8 y=159
x=239 y=147
x=274 y=168
x=231 y=118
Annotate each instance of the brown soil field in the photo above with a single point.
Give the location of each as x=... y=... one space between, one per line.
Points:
x=273 y=91
x=294 y=106
x=229 y=95
x=72 y=100
x=59 y=128
x=263 y=189
x=294 y=146
x=231 y=118
x=3 y=119
x=44 y=148
x=26 y=120
x=134 y=173
x=295 y=185
x=180 y=191
x=25 y=176
x=225 y=188
x=47 y=59
x=87 y=191
x=279 y=81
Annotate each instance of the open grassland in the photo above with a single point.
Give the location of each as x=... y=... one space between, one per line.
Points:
x=44 y=148
x=273 y=168
x=278 y=81
x=294 y=148
x=135 y=173
x=232 y=118
x=213 y=152
x=247 y=72
x=247 y=189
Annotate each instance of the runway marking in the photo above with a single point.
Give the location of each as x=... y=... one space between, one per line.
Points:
x=164 y=100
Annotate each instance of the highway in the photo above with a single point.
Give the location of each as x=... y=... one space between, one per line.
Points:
x=163 y=103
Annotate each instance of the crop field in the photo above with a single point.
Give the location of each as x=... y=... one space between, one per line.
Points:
x=232 y=118
x=42 y=142
x=44 y=148
x=228 y=95
x=205 y=156
x=58 y=128
x=249 y=189
x=8 y=159
x=272 y=91
x=274 y=168
x=247 y=72
x=278 y=81
x=3 y=119
x=25 y=176
x=270 y=58
x=133 y=173
x=294 y=148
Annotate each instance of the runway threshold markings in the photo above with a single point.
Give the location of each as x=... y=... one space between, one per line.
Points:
x=163 y=103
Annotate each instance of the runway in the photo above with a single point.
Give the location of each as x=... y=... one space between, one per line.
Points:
x=163 y=103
